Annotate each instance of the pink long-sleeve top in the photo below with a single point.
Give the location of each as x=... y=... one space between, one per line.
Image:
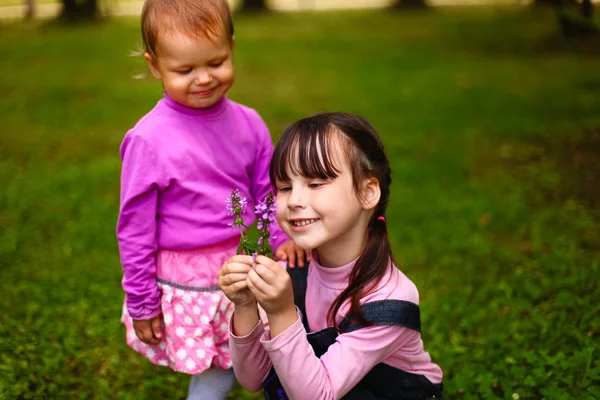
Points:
x=349 y=359
x=179 y=166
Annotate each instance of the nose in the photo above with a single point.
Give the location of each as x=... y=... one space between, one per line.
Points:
x=203 y=77
x=297 y=199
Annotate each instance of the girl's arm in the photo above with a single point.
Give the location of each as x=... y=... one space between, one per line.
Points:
x=251 y=362
x=136 y=229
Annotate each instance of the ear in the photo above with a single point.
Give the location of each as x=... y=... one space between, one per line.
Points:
x=232 y=43
x=371 y=193
x=151 y=61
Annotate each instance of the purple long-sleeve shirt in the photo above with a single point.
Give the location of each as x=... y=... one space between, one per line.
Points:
x=179 y=166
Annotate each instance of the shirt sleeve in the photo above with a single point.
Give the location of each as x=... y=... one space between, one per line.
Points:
x=251 y=362
x=261 y=183
x=136 y=229
x=346 y=362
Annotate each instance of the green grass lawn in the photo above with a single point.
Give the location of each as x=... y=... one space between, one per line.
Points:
x=492 y=125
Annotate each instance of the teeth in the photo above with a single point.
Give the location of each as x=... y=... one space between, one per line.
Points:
x=304 y=222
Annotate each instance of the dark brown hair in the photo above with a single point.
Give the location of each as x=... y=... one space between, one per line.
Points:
x=306 y=148
x=197 y=18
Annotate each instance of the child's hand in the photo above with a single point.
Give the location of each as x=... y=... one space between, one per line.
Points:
x=148 y=330
x=272 y=288
x=271 y=285
x=289 y=252
x=233 y=282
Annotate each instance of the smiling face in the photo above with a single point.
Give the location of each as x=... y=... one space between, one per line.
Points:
x=326 y=214
x=196 y=72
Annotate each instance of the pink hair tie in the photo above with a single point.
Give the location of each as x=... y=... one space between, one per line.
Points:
x=381 y=218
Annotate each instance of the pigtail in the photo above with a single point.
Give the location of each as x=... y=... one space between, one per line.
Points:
x=377 y=256
x=366 y=274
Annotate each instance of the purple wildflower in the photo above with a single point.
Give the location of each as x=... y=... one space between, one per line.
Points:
x=265 y=212
x=236 y=205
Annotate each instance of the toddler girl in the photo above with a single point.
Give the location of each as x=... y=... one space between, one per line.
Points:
x=180 y=162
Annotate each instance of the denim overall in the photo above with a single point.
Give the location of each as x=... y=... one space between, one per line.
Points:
x=383 y=382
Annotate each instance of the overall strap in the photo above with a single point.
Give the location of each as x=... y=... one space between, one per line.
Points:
x=299 y=277
x=385 y=312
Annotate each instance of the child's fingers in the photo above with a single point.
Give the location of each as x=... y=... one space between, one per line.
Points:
x=272 y=266
x=308 y=255
x=300 y=254
x=291 y=259
x=156 y=329
x=240 y=285
x=280 y=254
x=144 y=333
x=231 y=279
x=266 y=273
x=252 y=288
x=240 y=259
x=234 y=268
x=267 y=262
x=257 y=285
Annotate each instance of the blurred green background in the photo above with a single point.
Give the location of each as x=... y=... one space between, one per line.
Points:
x=491 y=120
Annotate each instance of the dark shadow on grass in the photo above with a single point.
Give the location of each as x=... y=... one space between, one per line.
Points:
x=573 y=157
x=557 y=173
x=522 y=32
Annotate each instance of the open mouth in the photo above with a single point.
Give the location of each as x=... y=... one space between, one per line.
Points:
x=304 y=222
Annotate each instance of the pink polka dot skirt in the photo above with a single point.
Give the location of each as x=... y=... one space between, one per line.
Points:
x=195 y=313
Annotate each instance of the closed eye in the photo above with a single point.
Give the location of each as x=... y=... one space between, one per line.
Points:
x=284 y=189
x=184 y=71
x=315 y=185
x=215 y=64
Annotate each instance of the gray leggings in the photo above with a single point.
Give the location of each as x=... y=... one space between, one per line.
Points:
x=212 y=384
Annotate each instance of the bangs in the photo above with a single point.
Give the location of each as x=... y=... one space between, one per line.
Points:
x=307 y=148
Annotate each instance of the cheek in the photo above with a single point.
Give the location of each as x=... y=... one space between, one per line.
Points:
x=280 y=210
x=175 y=82
x=227 y=75
x=281 y=207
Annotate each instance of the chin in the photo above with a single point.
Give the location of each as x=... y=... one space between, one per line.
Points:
x=304 y=243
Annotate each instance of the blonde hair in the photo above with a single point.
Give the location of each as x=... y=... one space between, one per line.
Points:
x=200 y=19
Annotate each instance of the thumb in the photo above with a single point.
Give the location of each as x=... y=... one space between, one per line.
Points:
x=156 y=329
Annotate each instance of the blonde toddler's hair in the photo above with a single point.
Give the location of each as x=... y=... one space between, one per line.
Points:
x=200 y=19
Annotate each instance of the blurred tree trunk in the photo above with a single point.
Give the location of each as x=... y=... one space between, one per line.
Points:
x=29 y=9
x=578 y=24
x=254 y=5
x=409 y=4
x=74 y=11
x=587 y=9
x=546 y=3
x=554 y=3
